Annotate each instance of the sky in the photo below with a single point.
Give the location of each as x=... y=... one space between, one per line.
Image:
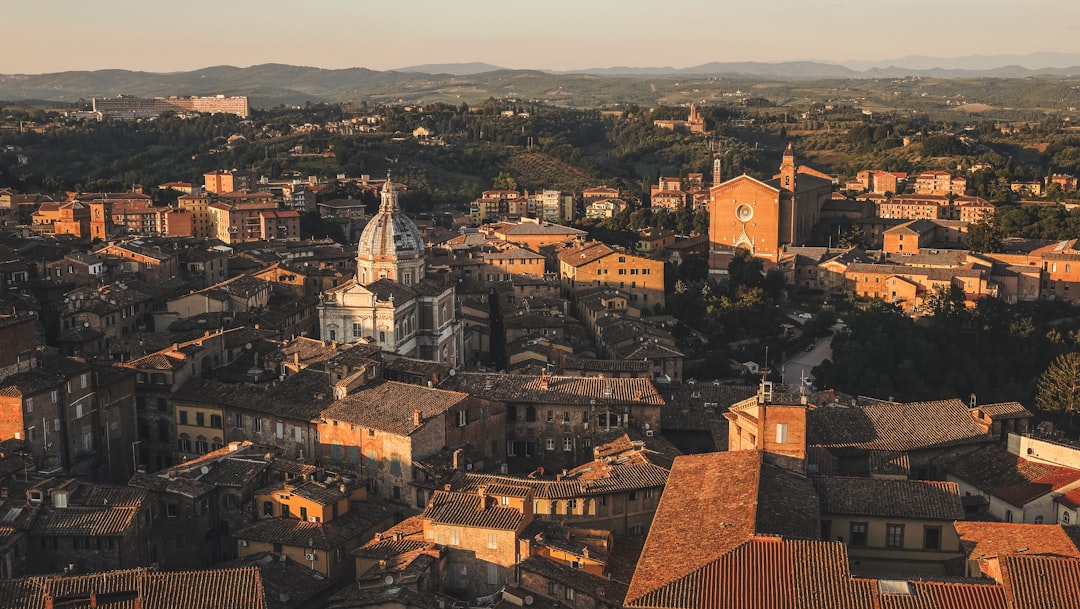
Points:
x=58 y=35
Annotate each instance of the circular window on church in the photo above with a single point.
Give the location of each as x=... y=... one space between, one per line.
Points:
x=744 y=212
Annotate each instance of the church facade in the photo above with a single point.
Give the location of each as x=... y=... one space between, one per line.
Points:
x=391 y=301
x=764 y=216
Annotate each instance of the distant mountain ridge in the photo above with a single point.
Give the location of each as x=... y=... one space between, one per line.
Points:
x=276 y=84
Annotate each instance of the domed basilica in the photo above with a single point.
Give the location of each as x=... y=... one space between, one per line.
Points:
x=390 y=299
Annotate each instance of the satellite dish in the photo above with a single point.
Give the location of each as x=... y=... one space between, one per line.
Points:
x=205 y=470
x=389 y=580
x=86 y=324
x=528 y=599
x=453 y=372
x=247 y=346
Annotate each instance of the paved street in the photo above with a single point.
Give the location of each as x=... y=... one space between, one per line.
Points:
x=802 y=363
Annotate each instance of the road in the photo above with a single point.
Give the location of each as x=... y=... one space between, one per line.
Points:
x=802 y=363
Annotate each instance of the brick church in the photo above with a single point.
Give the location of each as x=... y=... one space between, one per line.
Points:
x=764 y=216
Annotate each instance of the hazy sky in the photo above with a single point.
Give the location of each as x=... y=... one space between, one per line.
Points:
x=153 y=35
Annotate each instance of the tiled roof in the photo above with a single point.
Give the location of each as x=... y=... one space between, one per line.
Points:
x=385 y=289
x=405 y=537
x=471 y=510
x=604 y=365
x=318 y=492
x=890 y=463
x=773 y=573
x=85 y=521
x=582 y=254
x=716 y=492
x=1041 y=581
x=1006 y=410
x=286 y=583
x=603 y=588
x=301 y=396
x=210 y=589
x=560 y=389
x=1009 y=477
x=541 y=228
x=320 y=535
x=53 y=372
x=986 y=539
x=892 y=426
x=389 y=406
x=1070 y=499
x=897 y=498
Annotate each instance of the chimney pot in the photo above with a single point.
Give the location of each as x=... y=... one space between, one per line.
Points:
x=416 y=417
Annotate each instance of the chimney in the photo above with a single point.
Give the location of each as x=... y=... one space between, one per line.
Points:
x=458 y=454
x=342 y=488
x=416 y=417
x=296 y=359
x=48 y=602
x=543 y=379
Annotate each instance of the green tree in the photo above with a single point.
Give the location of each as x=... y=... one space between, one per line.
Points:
x=745 y=270
x=985 y=236
x=701 y=221
x=946 y=303
x=503 y=181
x=1059 y=385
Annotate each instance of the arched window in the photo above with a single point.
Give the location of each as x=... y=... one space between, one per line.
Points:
x=1039 y=520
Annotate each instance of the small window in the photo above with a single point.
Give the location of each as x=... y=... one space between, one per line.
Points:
x=894 y=535
x=858 y=534
x=455 y=537
x=550 y=443
x=932 y=538
x=569 y=594
x=493 y=541
x=568 y=444
x=781 y=433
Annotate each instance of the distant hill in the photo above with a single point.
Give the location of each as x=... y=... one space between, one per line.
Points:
x=970 y=63
x=270 y=85
x=455 y=69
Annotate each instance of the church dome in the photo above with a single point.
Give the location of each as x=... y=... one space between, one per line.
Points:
x=390 y=246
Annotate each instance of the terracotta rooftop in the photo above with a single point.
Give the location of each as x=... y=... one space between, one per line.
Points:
x=286 y=583
x=1041 y=581
x=896 y=498
x=893 y=426
x=471 y=510
x=1008 y=477
x=1006 y=410
x=728 y=497
x=585 y=253
x=560 y=389
x=389 y=406
x=986 y=539
x=139 y=588
x=320 y=535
